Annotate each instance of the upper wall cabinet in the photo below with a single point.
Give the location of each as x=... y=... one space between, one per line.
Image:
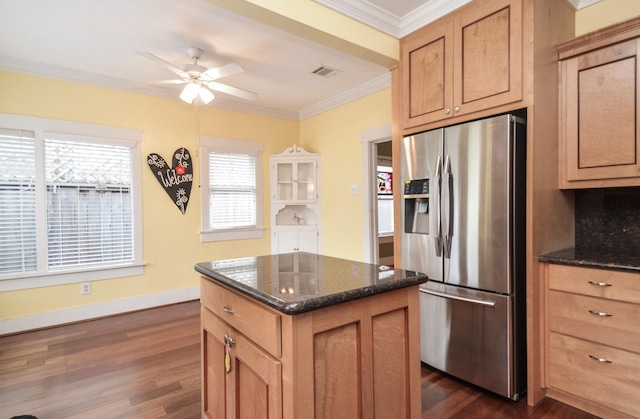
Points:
x=599 y=113
x=469 y=60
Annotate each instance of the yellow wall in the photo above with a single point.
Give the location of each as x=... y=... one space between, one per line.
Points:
x=171 y=240
x=336 y=134
x=605 y=13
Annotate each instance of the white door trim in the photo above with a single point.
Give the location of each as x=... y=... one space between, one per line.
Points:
x=369 y=139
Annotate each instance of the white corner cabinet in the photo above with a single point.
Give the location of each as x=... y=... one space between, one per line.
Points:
x=295 y=201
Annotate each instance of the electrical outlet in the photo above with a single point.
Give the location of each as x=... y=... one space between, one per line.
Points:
x=354 y=189
x=85 y=288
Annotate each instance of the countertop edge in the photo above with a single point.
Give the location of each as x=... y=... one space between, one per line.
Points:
x=316 y=303
x=568 y=257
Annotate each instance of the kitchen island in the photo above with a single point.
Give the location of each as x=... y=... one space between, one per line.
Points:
x=300 y=335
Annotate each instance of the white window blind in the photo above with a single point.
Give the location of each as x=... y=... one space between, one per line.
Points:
x=18 y=246
x=70 y=204
x=232 y=185
x=89 y=203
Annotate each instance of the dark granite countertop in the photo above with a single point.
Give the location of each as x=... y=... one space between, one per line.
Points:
x=295 y=283
x=594 y=259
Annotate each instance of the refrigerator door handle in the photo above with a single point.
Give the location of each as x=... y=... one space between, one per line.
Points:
x=448 y=201
x=485 y=303
x=436 y=200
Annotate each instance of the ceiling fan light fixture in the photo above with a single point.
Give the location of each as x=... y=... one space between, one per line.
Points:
x=190 y=92
x=205 y=95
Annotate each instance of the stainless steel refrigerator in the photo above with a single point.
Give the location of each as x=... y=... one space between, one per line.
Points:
x=464 y=226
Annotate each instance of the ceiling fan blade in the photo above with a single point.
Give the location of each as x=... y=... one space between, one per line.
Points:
x=163 y=63
x=222 y=71
x=230 y=90
x=174 y=81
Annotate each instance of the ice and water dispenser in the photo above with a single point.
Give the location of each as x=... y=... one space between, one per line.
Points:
x=416 y=206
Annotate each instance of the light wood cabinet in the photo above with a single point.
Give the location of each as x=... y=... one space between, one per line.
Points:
x=251 y=372
x=355 y=359
x=467 y=61
x=592 y=351
x=599 y=109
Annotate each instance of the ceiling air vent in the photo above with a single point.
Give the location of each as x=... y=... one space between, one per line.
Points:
x=326 y=72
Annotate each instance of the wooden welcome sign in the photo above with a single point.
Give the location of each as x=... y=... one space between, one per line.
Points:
x=177 y=179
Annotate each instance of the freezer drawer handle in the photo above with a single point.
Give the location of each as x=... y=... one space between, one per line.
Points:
x=485 y=303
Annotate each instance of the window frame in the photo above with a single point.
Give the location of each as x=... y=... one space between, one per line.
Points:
x=88 y=133
x=210 y=144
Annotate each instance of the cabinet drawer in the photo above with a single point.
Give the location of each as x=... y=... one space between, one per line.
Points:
x=248 y=317
x=596 y=319
x=616 y=285
x=614 y=383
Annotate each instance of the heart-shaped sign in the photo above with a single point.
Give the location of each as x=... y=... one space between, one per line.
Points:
x=177 y=179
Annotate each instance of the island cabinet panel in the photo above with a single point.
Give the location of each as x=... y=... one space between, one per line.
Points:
x=336 y=355
x=592 y=350
x=356 y=359
x=600 y=114
x=233 y=367
x=468 y=61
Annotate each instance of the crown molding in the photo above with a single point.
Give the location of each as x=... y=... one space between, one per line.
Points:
x=384 y=21
x=350 y=95
x=581 y=4
x=400 y=26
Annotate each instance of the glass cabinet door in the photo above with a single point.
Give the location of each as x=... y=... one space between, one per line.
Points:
x=285 y=182
x=306 y=181
x=296 y=181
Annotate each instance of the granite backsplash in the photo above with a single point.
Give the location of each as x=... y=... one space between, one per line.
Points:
x=608 y=220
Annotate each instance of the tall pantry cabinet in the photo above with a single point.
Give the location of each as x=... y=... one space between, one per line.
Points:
x=483 y=59
x=295 y=201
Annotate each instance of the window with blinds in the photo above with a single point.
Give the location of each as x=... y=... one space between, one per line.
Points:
x=232 y=182
x=232 y=192
x=88 y=203
x=67 y=201
x=18 y=247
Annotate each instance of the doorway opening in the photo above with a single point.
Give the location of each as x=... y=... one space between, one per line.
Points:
x=378 y=204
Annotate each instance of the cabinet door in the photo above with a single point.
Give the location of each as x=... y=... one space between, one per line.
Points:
x=297 y=240
x=295 y=181
x=427 y=74
x=252 y=388
x=599 y=118
x=488 y=55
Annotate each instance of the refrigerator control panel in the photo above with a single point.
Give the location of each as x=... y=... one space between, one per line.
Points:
x=416 y=187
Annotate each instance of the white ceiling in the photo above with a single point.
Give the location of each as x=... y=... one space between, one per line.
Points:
x=96 y=41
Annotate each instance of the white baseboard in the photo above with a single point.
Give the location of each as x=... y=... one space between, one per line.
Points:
x=92 y=311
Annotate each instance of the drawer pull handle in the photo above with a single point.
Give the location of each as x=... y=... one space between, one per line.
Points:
x=600 y=313
x=228 y=310
x=603 y=360
x=599 y=284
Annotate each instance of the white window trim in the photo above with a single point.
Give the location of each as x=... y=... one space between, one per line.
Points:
x=229 y=145
x=96 y=134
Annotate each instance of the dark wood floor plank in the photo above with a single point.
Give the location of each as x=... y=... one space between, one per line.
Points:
x=147 y=365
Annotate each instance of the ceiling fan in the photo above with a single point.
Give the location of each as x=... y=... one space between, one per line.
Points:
x=200 y=80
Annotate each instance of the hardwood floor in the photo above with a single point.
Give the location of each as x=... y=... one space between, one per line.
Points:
x=147 y=365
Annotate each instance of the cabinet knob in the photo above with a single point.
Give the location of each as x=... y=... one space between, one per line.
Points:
x=457 y=109
x=228 y=340
x=447 y=111
x=228 y=310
